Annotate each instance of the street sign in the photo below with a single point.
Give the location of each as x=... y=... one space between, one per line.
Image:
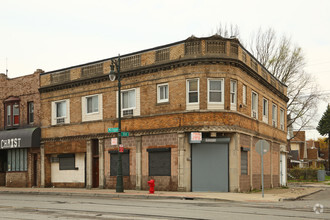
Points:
x=124 y=134
x=114 y=141
x=121 y=148
x=262 y=147
x=111 y=130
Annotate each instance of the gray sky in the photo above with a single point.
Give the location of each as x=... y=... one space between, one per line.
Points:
x=50 y=35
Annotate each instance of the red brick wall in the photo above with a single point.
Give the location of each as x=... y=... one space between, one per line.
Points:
x=69 y=185
x=26 y=88
x=244 y=183
x=160 y=141
x=2 y=179
x=129 y=181
x=16 y=179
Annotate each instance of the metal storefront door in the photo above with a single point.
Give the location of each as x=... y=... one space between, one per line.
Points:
x=210 y=167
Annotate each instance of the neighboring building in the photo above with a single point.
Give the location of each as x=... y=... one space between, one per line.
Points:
x=298 y=150
x=20 y=131
x=211 y=86
x=313 y=154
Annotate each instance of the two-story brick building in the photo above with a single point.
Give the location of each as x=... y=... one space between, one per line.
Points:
x=19 y=131
x=172 y=95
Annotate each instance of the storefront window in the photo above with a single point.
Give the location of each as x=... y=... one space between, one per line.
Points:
x=17 y=160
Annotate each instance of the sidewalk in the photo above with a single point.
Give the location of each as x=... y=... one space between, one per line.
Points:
x=271 y=195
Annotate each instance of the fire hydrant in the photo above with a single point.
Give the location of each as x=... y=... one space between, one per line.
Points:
x=152 y=186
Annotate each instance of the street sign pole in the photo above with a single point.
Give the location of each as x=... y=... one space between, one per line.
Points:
x=262 y=147
x=262 y=168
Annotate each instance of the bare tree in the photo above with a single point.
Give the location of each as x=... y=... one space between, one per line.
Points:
x=228 y=31
x=286 y=62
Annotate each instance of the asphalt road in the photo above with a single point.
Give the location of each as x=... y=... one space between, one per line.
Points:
x=26 y=206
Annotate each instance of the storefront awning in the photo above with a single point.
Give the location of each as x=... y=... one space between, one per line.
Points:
x=20 y=138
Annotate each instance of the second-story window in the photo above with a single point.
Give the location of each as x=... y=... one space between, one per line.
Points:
x=162 y=93
x=244 y=94
x=92 y=107
x=265 y=110
x=274 y=115
x=30 y=112
x=12 y=114
x=254 y=105
x=192 y=91
x=92 y=104
x=128 y=102
x=282 y=119
x=192 y=94
x=61 y=112
x=216 y=91
x=15 y=114
x=233 y=94
x=8 y=115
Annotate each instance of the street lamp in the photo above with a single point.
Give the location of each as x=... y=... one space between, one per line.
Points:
x=112 y=76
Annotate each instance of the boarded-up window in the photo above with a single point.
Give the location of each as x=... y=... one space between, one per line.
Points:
x=159 y=162
x=244 y=162
x=114 y=163
x=67 y=161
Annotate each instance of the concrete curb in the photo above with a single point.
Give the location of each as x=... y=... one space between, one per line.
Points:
x=300 y=197
x=113 y=195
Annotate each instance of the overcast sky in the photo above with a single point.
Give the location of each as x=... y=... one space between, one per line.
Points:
x=50 y=35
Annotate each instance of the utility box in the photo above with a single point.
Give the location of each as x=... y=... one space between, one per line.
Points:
x=321 y=175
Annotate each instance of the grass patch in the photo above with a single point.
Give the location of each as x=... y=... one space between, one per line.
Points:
x=327 y=178
x=301 y=181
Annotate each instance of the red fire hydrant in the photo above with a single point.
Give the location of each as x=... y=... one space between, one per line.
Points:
x=152 y=186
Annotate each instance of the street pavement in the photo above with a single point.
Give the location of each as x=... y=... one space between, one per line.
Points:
x=293 y=192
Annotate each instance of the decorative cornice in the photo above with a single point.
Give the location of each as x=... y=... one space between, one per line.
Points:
x=208 y=60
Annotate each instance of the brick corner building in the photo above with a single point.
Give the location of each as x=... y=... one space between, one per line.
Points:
x=194 y=111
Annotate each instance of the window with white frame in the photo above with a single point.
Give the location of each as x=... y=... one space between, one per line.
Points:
x=265 y=110
x=216 y=91
x=130 y=102
x=162 y=93
x=254 y=105
x=244 y=95
x=282 y=119
x=192 y=94
x=274 y=115
x=60 y=112
x=92 y=104
x=128 y=99
x=92 y=107
x=233 y=94
x=193 y=90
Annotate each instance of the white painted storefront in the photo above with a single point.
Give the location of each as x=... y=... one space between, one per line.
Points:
x=69 y=176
